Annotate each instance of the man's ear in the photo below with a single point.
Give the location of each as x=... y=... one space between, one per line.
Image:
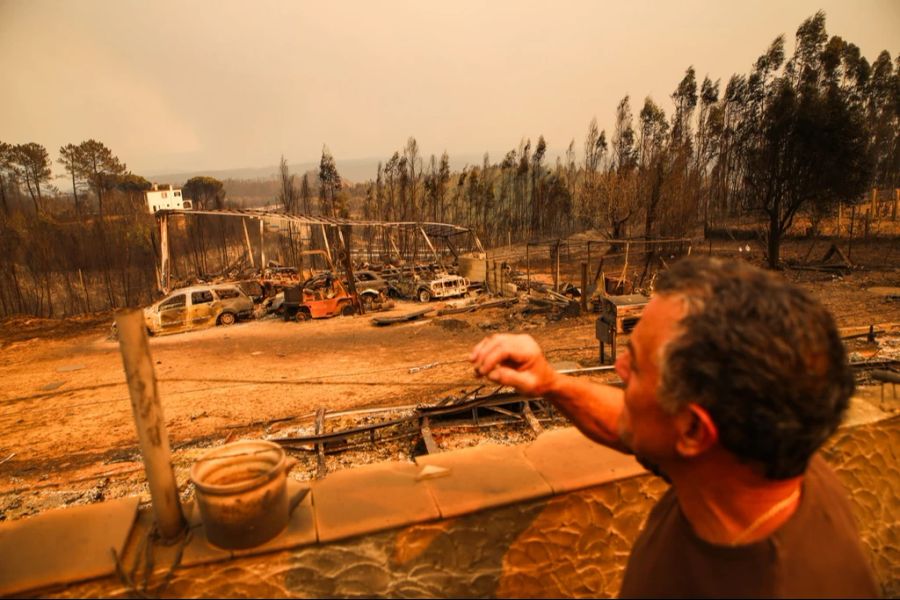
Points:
x=696 y=430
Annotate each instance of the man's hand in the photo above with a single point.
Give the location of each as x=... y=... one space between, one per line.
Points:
x=514 y=360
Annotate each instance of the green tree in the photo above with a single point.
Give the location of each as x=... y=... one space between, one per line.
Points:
x=305 y=195
x=809 y=144
x=379 y=192
x=329 y=183
x=883 y=115
x=206 y=192
x=651 y=163
x=414 y=165
x=96 y=164
x=595 y=149
x=443 y=180
x=623 y=137
x=33 y=165
x=7 y=172
x=685 y=99
x=68 y=158
x=403 y=184
x=133 y=186
x=537 y=188
x=390 y=186
x=288 y=194
x=429 y=184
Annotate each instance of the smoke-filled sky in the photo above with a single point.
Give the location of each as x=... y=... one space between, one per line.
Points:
x=216 y=84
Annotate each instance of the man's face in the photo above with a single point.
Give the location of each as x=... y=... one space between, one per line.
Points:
x=644 y=426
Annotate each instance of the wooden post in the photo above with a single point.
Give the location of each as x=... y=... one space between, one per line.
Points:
x=584 y=286
x=150 y=422
x=840 y=217
x=262 y=245
x=327 y=247
x=896 y=202
x=589 y=255
x=850 y=243
x=164 y=266
x=624 y=272
x=87 y=297
x=247 y=241
x=874 y=211
x=345 y=234
x=554 y=264
x=527 y=266
x=612 y=345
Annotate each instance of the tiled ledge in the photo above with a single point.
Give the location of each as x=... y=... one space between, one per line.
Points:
x=345 y=504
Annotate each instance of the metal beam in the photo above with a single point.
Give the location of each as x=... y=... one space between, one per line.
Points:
x=247 y=240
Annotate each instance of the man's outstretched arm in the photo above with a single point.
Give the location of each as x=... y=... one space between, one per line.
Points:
x=517 y=361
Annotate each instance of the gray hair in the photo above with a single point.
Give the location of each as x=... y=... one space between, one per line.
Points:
x=761 y=356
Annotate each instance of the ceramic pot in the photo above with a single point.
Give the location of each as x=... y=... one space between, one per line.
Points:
x=241 y=490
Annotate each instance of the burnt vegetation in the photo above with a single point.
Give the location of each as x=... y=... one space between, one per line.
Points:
x=796 y=136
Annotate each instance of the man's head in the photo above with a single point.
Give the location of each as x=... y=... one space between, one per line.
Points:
x=756 y=358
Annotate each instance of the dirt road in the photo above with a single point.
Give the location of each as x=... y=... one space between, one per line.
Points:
x=66 y=416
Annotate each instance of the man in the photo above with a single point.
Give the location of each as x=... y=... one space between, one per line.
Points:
x=732 y=379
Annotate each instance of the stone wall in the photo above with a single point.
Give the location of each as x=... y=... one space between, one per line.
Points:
x=571 y=543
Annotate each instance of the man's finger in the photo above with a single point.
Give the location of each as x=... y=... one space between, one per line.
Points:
x=523 y=381
x=498 y=354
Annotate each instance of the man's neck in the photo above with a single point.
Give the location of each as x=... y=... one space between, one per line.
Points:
x=728 y=503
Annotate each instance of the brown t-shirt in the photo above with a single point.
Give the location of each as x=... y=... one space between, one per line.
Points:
x=816 y=553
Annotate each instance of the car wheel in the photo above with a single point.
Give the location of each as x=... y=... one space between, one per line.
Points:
x=227 y=319
x=368 y=301
x=424 y=295
x=348 y=310
x=302 y=316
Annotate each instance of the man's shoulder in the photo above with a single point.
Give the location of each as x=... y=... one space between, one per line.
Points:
x=819 y=548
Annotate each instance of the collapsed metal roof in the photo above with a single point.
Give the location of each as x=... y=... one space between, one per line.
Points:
x=426 y=229
x=431 y=229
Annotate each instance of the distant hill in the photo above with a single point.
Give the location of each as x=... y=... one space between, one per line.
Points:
x=355 y=170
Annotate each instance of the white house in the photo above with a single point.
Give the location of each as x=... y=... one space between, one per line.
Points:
x=165 y=197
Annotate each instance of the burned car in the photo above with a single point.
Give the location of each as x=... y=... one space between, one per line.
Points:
x=373 y=288
x=319 y=297
x=196 y=307
x=440 y=286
